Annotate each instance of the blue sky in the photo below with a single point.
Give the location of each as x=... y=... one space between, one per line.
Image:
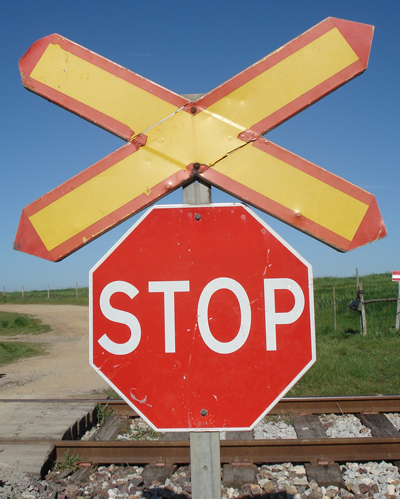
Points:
x=191 y=47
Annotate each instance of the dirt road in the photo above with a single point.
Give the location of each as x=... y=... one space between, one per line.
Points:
x=65 y=371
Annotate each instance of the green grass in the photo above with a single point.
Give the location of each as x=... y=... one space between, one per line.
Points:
x=353 y=365
x=380 y=316
x=69 y=462
x=11 y=351
x=12 y=324
x=347 y=362
x=104 y=413
x=56 y=297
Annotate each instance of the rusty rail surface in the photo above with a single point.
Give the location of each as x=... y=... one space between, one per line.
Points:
x=295 y=405
x=319 y=451
x=310 y=405
x=301 y=450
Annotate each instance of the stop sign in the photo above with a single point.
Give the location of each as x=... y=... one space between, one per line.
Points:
x=201 y=317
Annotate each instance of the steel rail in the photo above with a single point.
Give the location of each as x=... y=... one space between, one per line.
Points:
x=315 y=451
x=318 y=451
x=295 y=405
x=312 y=405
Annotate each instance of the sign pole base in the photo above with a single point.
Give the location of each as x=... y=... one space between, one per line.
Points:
x=205 y=463
x=205 y=454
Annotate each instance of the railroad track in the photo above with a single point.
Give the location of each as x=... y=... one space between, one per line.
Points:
x=311 y=446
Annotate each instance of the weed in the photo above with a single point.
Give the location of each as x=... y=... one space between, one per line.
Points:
x=283 y=417
x=111 y=394
x=70 y=462
x=146 y=434
x=104 y=413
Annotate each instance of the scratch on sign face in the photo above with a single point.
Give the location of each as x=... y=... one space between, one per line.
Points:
x=268 y=264
x=143 y=401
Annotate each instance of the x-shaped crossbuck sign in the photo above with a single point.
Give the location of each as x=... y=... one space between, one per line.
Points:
x=218 y=138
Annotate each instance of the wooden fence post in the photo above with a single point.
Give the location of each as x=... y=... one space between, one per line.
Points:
x=363 y=316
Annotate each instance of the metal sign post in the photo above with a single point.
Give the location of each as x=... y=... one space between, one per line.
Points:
x=205 y=464
x=205 y=454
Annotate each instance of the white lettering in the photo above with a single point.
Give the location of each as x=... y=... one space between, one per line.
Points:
x=245 y=319
x=121 y=317
x=169 y=288
x=272 y=318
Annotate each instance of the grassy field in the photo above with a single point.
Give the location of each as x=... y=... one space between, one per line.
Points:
x=11 y=351
x=12 y=324
x=380 y=316
x=16 y=324
x=56 y=297
x=347 y=362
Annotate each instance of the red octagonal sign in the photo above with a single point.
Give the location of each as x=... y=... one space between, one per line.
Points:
x=201 y=317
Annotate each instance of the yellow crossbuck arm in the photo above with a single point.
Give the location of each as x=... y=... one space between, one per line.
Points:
x=293 y=77
x=299 y=192
x=219 y=137
x=95 y=88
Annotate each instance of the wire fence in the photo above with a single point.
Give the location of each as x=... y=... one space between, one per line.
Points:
x=332 y=296
x=338 y=307
x=50 y=295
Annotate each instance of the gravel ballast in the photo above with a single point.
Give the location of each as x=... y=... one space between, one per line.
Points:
x=287 y=480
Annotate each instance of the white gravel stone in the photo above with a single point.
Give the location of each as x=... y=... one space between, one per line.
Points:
x=394 y=419
x=384 y=475
x=278 y=430
x=139 y=430
x=384 y=478
x=343 y=426
x=90 y=433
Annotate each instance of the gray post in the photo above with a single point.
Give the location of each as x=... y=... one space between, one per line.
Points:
x=398 y=310
x=363 y=312
x=196 y=193
x=205 y=457
x=205 y=464
x=48 y=292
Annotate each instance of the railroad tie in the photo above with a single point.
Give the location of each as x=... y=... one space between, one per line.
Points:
x=309 y=427
x=379 y=425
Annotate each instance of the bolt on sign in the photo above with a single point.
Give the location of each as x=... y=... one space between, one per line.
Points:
x=207 y=330
x=219 y=137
